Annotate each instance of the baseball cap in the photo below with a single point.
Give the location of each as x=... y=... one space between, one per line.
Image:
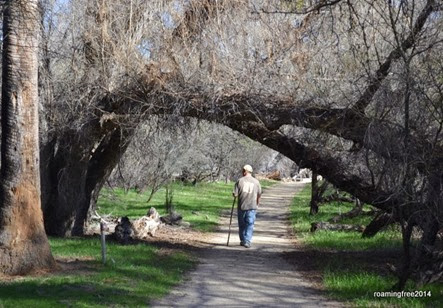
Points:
x=247 y=168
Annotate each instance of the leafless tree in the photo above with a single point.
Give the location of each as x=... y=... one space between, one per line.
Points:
x=366 y=74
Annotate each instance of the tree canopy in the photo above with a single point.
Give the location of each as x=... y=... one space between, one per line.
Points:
x=350 y=89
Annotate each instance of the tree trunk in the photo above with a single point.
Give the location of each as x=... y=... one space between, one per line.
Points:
x=24 y=246
x=380 y=222
x=75 y=170
x=100 y=166
x=405 y=271
x=63 y=183
x=317 y=193
x=314 y=194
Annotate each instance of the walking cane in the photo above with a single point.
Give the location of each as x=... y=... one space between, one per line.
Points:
x=230 y=222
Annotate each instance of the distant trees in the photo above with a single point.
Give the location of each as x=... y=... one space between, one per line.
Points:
x=192 y=152
x=24 y=246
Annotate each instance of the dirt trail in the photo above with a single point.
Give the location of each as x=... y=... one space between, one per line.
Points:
x=260 y=276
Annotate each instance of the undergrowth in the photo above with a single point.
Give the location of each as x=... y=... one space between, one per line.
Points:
x=354 y=268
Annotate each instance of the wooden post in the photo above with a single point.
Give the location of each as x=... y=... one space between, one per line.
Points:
x=103 y=241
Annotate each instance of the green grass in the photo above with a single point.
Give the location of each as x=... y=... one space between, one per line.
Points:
x=345 y=276
x=199 y=205
x=134 y=275
x=301 y=221
x=358 y=287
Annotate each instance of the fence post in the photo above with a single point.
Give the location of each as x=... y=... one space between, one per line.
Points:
x=103 y=241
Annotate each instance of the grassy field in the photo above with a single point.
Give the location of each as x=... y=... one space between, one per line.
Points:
x=199 y=205
x=349 y=262
x=134 y=274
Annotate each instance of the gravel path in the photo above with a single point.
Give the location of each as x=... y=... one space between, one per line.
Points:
x=235 y=276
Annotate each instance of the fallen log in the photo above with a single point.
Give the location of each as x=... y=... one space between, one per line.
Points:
x=357 y=210
x=123 y=229
x=380 y=222
x=145 y=226
x=172 y=219
x=322 y=225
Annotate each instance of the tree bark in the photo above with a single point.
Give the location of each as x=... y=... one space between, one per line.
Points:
x=100 y=166
x=314 y=194
x=405 y=271
x=75 y=169
x=24 y=246
x=379 y=223
x=63 y=178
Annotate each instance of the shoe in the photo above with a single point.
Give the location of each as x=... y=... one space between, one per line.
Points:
x=247 y=245
x=242 y=243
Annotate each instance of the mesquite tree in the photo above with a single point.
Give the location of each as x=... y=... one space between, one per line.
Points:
x=23 y=243
x=366 y=74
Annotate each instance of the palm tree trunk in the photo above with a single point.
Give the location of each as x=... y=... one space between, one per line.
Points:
x=24 y=245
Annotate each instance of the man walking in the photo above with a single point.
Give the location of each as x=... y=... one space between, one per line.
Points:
x=248 y=191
